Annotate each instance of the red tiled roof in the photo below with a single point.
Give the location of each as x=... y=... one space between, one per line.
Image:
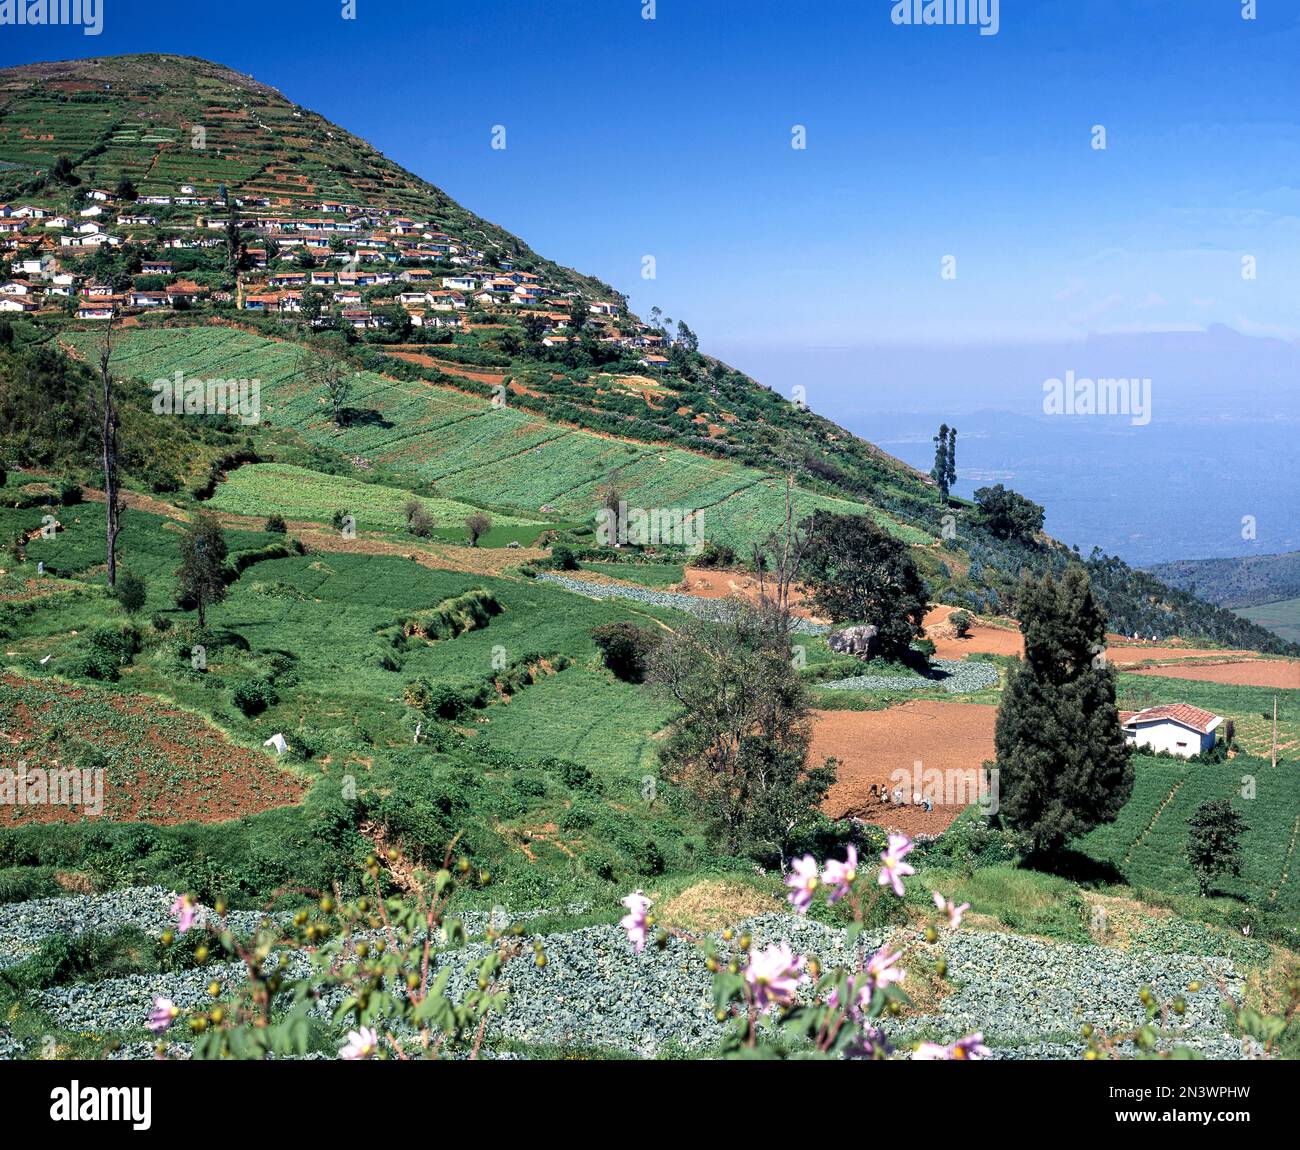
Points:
x=1184 y=713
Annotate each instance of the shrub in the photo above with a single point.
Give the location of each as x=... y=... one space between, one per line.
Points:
x=275 y=523
x=21 y=883
x=961 y=623
x=338 y=519
x=106 y=651
x=419 y=521
x=626 y=648
x=715 y=555
x=130 y=591
x=563 y=558
x=160 y=623
x=477 y=525
x=254 y=696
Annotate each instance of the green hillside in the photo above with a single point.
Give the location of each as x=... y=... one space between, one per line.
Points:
x=1282 y=618
x=1249 y=581
x=223 y=203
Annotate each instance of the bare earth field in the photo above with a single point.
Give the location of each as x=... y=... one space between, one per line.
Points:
x=872 y=745
x=1250 y=673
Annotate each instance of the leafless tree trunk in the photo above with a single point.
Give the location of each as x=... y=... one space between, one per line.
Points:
x=780 y=555
x=107 y=411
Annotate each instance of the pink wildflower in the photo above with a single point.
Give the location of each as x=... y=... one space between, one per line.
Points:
x=773 y=975
x=361 y=1044
x=892 y=867
x=954 y=912
x=802 y=881
x=840 y=876
x=163 y=1014
x=186 y=910
x=634 y=922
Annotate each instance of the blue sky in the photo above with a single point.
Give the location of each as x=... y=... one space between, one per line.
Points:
x=671 y=137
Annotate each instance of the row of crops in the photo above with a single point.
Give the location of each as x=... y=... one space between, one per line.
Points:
x=1147 y=842
x=472 y=451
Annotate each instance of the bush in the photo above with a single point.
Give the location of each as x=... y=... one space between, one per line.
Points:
x=626 y=647
x=160 y=623
x=961 y=623
x=419 y=521
x=338 y=519
x=563 y=558
x=21 y=883
x=106 y=651
x=715 y=555
x=254 y=696
x=275 y=523
x=130 y=591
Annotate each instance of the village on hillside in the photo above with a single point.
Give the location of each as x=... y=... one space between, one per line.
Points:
x=343 y=265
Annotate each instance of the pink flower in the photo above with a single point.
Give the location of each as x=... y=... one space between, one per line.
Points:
x=773 y=975
x=882 y=970
x=970 y=1048
x=361 y=1044
x=954 y=912
x=892 y=867
x=163 y=1014
x=186 y=910
x=840 y=876
x=802 y=881
x=634 y=922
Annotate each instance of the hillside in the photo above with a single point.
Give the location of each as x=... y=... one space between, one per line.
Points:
x=272 y=220
x=1246 y=582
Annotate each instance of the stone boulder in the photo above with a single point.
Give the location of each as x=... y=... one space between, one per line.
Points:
x=860 y=640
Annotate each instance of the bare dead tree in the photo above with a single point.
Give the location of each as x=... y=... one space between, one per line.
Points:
x=106 y=412
x=776 y=562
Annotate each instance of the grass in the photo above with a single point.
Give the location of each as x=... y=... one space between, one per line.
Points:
x=657 y=575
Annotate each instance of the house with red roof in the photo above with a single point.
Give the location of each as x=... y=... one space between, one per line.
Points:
x=1178 y=728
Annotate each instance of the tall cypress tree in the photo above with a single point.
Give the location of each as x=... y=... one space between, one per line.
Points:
x=939 y=472
x=951 y=462
x=1063 y=764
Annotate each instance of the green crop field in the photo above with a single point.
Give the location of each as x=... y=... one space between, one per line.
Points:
x=1147 y=843
x=298 y=493
x=470 y=449
x=1250 y=708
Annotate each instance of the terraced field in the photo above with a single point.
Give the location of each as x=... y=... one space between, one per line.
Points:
x=470 y=449
x=159 y=763
x=298 y=493
x=1147 y=841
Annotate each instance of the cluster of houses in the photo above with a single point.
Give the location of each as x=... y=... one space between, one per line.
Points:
x=321 y=262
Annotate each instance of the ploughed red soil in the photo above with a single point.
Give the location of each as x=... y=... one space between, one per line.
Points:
x=953 y=738
x=982 y=638
x=1250 y=673
x=709 y=584
x=164 y=765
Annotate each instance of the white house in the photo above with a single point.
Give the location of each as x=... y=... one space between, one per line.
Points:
x=1178 y=728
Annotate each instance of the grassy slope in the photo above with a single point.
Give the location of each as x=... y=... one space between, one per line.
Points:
x=469 y=448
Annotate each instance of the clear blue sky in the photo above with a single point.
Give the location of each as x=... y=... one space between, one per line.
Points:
x=671 y=137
